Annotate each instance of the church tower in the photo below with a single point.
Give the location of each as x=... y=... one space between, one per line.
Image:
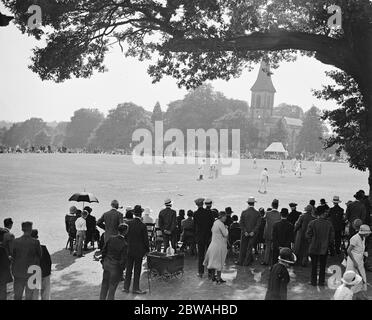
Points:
x=263 y=91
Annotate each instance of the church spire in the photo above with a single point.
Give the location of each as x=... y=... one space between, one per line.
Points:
x=263 y=82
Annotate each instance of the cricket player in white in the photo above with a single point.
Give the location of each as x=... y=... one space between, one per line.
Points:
x=264 y=180
x=299 y=169
x=201 y=170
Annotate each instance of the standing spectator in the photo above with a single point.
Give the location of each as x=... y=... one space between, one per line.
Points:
x=168 y=225
x=25 y=252
x=279 y=276
x=158 y=236
x=217 y=251
x=356 y=252
x=294 y=214
x=180 y=217
x=355 y=210
x=5 y=274
x=208 y=207
x=367 y=204
x=138 y=246
x=91 y=228
x=320 y=235
x=271 y=217
x=229 y=220
x=260 y=241
x=250 y=221
x=111 y=220
x=283 y=234
x=301 y=247
x=46 y=270
x=81 y=230
x=114 y=258
x=188 y=232
x=203 y=221
x=312 y=203
x=336 y=216
x=8 y=237
x=70 y=220
x=324 y=204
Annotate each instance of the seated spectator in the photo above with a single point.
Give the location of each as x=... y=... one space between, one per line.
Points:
x=46 y=270
x=234 y=230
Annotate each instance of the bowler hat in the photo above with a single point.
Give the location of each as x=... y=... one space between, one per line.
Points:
x=286 y=255
x=228 y=210
x=292 y=205
x=138 y=209
x=208 y=201
x=322 y=201
x=284 y=212
x=359 y=194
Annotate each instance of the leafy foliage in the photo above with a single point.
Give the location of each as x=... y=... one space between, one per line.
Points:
x=288 y=110
x=279 y=133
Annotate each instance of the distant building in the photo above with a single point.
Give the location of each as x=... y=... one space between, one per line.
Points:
x=261 y=113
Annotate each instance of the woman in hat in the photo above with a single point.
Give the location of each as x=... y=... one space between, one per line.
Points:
x=217 y=250
x=356 y=251
x=345 y=291
x=301 y=246
x=70 y=220
x=279 y=276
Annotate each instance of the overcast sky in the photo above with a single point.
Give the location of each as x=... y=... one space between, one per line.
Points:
x=24 y=95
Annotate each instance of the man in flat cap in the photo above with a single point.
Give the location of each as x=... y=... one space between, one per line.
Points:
x=168 y=224
x=203 y=221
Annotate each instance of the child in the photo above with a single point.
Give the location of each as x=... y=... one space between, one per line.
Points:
x=279 y=276
x=349 y=280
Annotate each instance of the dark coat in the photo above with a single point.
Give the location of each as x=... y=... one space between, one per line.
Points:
x=203 y=221
x=301 y=243
x=70 y=225
x=271 y=217
x=278 y=281
x=110 y=222
x=45 y=262
x=115 y=253
x=26 y=252
x=5 y=275
x=168 y=220
x=336 y=216
x=283 y=234
x=293 y=216
x=356 y=210
x=228 y=221
x=8 y=238
x=91 y=226
x=138 y=241
x=250 y=221
x=320 y=233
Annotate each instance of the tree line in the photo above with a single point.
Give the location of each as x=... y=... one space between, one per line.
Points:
x=203 y=108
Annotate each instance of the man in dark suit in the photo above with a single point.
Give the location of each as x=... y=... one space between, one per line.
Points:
x=91 y=228
x=111 y=220
x=356 y=210
x=229 y=219
x=25 y=252
x=294 y=214
x=320 y=235
x=168 y=224
x=114 y=258
x=336 y=216
x=203 y=222
x=283 y=234
x=271 y=217
x=250 y=221
x=8 y=237
x=138 y=246
x=5 y=275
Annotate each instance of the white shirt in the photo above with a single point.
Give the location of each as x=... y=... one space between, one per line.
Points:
x=358 y=244
x=343 y=293
x=264 y=175
x=81 y=224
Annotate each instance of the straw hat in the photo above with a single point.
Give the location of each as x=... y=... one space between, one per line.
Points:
x=351 y=278
x=364 y=229
x=336 y=199
x=286 y=255
x=168 y=202
x=251 y=200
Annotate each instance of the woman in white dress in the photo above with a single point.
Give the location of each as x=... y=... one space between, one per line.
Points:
x=217 y=250
x=355 y=259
